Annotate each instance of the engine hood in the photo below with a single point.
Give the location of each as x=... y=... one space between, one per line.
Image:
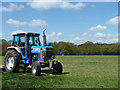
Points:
x=38 y=49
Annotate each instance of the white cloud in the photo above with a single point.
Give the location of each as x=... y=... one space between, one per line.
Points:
x=77 y=38
x=84 y=34
x=11 y=7
x=95 y=38
x=54 y=37
x=16 y=23
x=114 y=21
x=66 y=5
x=34 y=22
x=53 y=34
x=37 y=22
x=98 y=28
x=72 y=35
x=59 y=34
x=45 y=4
x=100 y=34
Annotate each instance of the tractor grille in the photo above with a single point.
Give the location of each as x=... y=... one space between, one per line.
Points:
x=49 y=53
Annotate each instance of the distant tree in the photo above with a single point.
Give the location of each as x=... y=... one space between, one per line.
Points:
x=9 y=42
x=63 y=49
x=4 y=46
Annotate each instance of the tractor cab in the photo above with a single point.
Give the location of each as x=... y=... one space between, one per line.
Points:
x=24 y=41
x=26 y=50
x=19 y=39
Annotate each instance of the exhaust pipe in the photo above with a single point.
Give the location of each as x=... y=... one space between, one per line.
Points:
x=44 y=38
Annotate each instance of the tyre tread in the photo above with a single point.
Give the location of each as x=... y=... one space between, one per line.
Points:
x=17 y=58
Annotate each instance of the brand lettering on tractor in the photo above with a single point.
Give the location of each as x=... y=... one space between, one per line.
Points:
x=37 y=49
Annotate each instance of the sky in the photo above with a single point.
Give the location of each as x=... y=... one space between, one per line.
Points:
x=75 y=22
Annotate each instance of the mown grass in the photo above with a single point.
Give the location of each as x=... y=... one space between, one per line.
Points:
x=78 y=72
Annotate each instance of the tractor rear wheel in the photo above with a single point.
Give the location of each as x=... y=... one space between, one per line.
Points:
x=36 y=68
x=57 y=68
x=11 y=61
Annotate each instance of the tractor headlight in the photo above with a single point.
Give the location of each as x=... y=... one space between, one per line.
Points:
x=43 y=48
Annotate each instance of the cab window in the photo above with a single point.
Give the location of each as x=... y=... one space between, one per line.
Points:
x=22 y=40
x=15 y=41
x=36 y=41
x=31 y=40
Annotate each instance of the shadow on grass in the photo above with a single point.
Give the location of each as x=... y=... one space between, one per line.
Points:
x=43 y=72
x=51 y=72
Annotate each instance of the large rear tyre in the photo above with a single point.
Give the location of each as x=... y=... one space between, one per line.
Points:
x=11 y=61
x=57 y=68
x=36 y=68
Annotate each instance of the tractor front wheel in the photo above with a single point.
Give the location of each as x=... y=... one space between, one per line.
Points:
x=57 y=68
x=36 y=68
x=11 y=61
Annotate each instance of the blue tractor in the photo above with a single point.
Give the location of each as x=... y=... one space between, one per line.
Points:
x=26 y=52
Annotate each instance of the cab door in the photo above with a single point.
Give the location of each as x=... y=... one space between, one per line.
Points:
x=21 y=45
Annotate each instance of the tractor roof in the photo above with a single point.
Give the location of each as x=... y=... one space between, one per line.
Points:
x=25 y=33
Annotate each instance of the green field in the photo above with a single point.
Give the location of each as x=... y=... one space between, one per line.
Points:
x=78 y=72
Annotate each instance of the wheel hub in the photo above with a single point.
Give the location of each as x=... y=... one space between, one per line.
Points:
x=10 y=63
x=33 y=69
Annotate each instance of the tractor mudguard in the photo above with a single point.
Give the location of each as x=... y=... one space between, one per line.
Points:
x=16 y=48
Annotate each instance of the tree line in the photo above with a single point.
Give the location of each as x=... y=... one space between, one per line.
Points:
x=67 y=48
x=87 y=48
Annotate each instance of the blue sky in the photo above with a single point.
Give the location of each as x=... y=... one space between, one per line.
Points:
x=74 y=22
